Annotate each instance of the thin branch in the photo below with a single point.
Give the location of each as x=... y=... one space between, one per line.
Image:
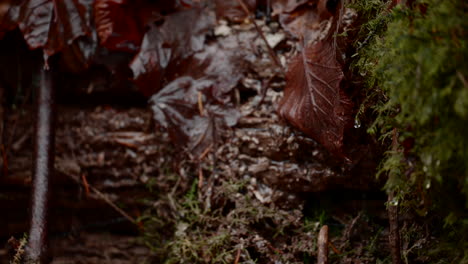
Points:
x=271 y=52
x=322 y=244
x=394 y=234
x=37 y=249
x=104 y=198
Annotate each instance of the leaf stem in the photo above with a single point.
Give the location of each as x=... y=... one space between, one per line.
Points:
x=37 y=249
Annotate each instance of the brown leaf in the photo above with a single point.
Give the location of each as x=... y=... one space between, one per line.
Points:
x=118 y=24
x=303 y=19
x=52 y=25
x=313 y=100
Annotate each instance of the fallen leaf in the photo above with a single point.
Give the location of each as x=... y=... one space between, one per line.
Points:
x=118 y=24
x=175 y=108
x=52 y=25
x=303 y=19
x=164 y=46
x=313 y=99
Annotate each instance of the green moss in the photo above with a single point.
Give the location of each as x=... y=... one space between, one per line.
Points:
x=413 y=59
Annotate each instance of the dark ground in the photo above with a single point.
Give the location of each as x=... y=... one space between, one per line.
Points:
x=259 y=194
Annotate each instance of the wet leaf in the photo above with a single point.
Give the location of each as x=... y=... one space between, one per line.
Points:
x=177 y=108
x=52 y=25
x=119 y=24
x=196 y=107
x=313 y=99
x=180 y=36
x=191 y=83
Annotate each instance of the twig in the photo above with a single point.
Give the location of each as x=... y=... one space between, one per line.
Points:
x=200 y=177
x=205 y=152
x=103 y=197
x=37 y=249
x=85 y=183
x=20 y=142
x=113 y=205
x=264 y=91
x=200 y=104
x=271 y=52
x=394 y=234
x=277 y=251
x=322 y=244
x=334 y=248
x=236 y=260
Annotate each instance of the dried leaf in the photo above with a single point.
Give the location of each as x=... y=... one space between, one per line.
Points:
x=313 y=99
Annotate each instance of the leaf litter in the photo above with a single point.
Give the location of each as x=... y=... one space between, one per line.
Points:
x=242 y=192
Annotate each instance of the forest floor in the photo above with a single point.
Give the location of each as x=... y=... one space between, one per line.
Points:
x=259 y=194
x=249 y=197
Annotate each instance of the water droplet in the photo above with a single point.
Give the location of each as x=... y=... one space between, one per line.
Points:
x=428 y=184
x=357 y=123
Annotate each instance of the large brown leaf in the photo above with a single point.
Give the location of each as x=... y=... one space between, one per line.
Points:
x=313 y=99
